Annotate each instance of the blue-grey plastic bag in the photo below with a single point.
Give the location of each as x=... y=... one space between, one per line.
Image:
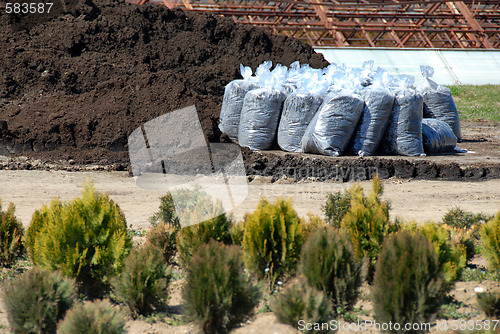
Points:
x=378 y=105
x=437 y=136
x=334 y=123
x=438 y=101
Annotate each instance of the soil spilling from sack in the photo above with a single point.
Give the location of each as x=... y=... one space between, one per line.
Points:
x=75 y=86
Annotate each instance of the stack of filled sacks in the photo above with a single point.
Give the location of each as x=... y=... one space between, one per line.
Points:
x=339 y=110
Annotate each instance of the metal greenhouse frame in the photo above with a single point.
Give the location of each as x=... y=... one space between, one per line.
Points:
x=365 y=23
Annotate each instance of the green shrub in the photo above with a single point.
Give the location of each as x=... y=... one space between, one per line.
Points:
x=273 y=239
x=195 y=205
x=167 y=213
x=216 y=292
x=312 y=224
x=38 y=220
x=38 y=300
x=452 y=257
x=163 y=236
x=336 y=206
x=99 y=317
x=143 y=284
x=237 y=231
x=329 y=264
x=191 y=238
x=367 y=223
x=464 y=238
x=11 y=234
x=459 y=218
x=197 y=230
x=86 y=239
x=490 y=237
x=408 y=284
x=489 y=303
x=465 y=228
x=300 y=304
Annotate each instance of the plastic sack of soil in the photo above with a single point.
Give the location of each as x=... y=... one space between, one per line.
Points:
x=437 y=136
x=334 y=123
x=379 y=101
x=404 y=131
x=293 y=77
x=232 y=103
x=261 y=111
x=299 y=109
x=438 y=101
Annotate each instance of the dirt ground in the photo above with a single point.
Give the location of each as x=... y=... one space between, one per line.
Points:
x=409 y=198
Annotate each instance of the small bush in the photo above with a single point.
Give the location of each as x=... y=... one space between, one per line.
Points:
x=336 y=206
x=191 y=238
x=39 y=219
x=216 y=292
x=489 y=303
x=301 y=304
x=195 y=205
x=408 y=284
x=459 y=218
x=198 y=229
x=237 y=231
x=99 y=317
x=163 y=236
x=273 y=239
x=38 y=300
x=143 y=284
x=329 y=264
x=312 y=224
x=452 y=257
x=11 y=233
x=465 y=228
x=86 y=239
x=367 y=223
x=464 y=238
x=167 y=213
x=490 y=237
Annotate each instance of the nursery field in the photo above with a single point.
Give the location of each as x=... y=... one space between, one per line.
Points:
x=410 y=199
x=67 y=106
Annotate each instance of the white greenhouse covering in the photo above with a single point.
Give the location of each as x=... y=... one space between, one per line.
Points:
x=468 y=67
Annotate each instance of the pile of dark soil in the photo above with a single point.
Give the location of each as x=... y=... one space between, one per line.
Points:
x=76 y=85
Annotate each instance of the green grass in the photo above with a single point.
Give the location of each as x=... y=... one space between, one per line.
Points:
x=450 y=310
x=16 y=270
x=479 y=275
x=164 y=317
x=477 y=102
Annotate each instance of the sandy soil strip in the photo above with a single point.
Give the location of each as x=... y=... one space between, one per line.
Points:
x=410 y=199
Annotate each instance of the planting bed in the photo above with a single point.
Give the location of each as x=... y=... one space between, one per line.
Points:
x=420 y=200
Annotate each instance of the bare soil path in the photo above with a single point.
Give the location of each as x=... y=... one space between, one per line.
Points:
x=410 y=199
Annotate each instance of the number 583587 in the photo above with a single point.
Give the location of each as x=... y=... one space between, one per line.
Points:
x=28 y=8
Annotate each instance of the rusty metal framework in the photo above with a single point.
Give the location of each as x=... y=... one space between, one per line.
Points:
x=365 y=23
